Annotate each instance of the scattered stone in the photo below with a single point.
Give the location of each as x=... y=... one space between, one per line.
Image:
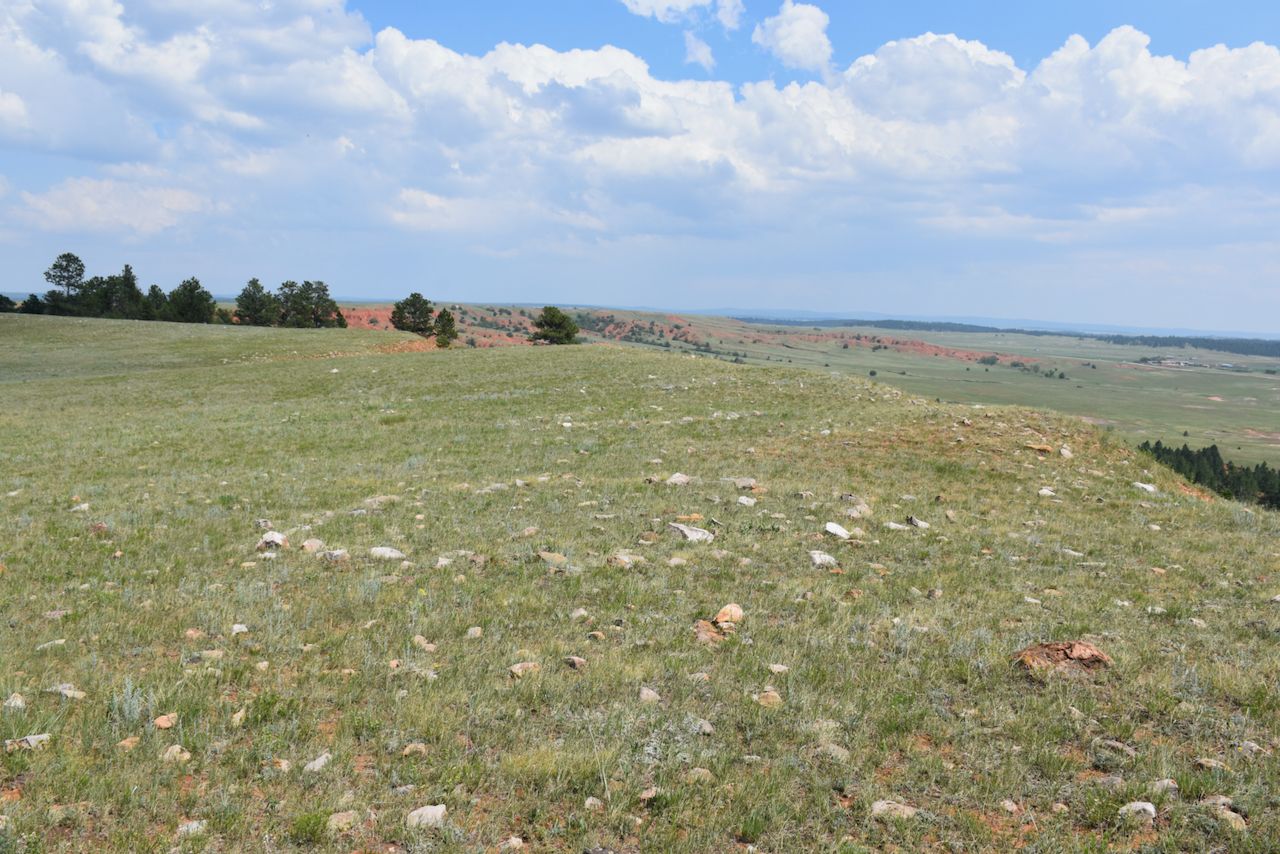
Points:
x=273 y=540
x=693 y=535
x=1046 y=492
x=67 y=691
x=648 y=696
x=594 y=804
x=239 y=629
x=708 y=633
x=893 y=810
x=770 y=699
x=415 y=748
x=917 y=523
x=1065 y=452
x=836 y=531
x=312 y=545
x=822 y=560
x=475 y=633
x=15 y=703
x=176 y=754
x=834 y=751
x=125 y=745
x=731 y=613
x=1167 y=786
x=519 y=671
x=1010 y=807
x=51 y=644
x=27 y=742
x=165 y=721
x=579 y=614
x=1146 y=487
x=341 y=822
x=574 y=662
x=429 y=816
x=699 y=775
x=334 y=556
x=318 y=764
x=679 y=479
x=624 y=560
x=1070 y=658
x=746 y=501
x=192 y=828
x=1207 y=764
x=1142 y=810
x=1250 y=748
x=779 y=669
x=423 y=644
x=895 y=526
x=385 y=553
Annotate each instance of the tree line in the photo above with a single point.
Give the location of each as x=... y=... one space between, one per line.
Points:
x=300 y=305
x=1205 y=466
x=416 y=314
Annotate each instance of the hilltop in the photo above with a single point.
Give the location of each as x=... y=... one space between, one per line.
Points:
x=502 y=630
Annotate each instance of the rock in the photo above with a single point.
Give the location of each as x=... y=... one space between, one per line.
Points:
x=522 y=669
x=15 y=703
x=1207 y=764
x=513 y=843
x=273 y=540
x=699 y=775
x=834 y=751
x=917 y=523
x=1111 y=781
x=415 y=748
x=125 y=745
x=1070 y=658
x=264 y=524
x=429 y=816
x=334 y=556
x=343 y=821
x=649 y=697
x=51 y=644
x=192 y=828
x=1142 y=810
x=707 y=633
x=693 y=535
x=579 y=614
x=594 y=804
x=744 y=482
x=1146 y=487
x=318 y=764
x=1217 y=802
x=423 y=644
x=385 y=553
x=1232 y=819
x=731 y=613
x=1010 y=807
x=553 y=559
x=746 y=501
x=312 y=545
x=475 y=633
x=1066 y=452
x=892 y=810
x=175 y=754
x=679 y=479
x=822 y=560
x=67 y=691
x=836 y=531
x=239 y=629
x=770 y=699
x=1198 y=623
x=624 y=560
x=779 y=669
x=165 y=721
x=27 y=742
x=1250 y=748
x=574 y=662
x=1046 y=492
x=895 y=526
x=1167 y=786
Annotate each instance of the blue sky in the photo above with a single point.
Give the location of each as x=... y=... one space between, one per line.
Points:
x=1092 y=162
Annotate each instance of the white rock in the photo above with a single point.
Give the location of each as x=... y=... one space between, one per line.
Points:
x=822 y=560
x=51 y=644
x=1046 y=492
x=1167 y=786
x=28 y=742
x=67 y=691
x=429 y=816
x=893 y=809
x=334 y=556
x=239 y=629
x=917 y=523
x=385 y=553
x=192 y=828
x=15 y=703
x=312 y=545
x=273 y=540
x=475 y=632
x=1146 y=487
x=316 y=765
x=693 y=535
x=648 y=696
x=342 y=821
x=679 y=479
x=895 y=526
x=594 y=804
x=746 y=501
x=835 y=530
x=1144 y=810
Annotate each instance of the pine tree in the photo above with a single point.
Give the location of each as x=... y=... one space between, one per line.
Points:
x=555 y=327
x=414 y=314
x=446 y=328
x=257 y=306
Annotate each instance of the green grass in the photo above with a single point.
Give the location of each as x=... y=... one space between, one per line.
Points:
x=182 y=438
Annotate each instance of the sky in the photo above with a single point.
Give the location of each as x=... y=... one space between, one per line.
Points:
x=1084 y=161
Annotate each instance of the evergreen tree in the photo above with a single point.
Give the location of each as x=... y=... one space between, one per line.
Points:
x=309 y=306
x=32 y=305
x=414 y=314
x=446 y=328
x=66 y=272
x=555 y=327
x=7 y=305
x=155 y=306
x=189 y=302
x=257 y=306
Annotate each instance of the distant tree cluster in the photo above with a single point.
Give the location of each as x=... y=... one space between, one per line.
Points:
x=415 y=314
x=300 y=306
x=117 y=296
x=1259 y=485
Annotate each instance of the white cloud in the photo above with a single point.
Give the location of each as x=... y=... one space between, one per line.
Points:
x=797 y=36
x=727 y=12
x=13 y=110
x=86 y=204
x=696 y=52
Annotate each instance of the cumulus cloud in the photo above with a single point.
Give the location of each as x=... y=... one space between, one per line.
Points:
x=727 y=12
x=86 y=204
x=797 y=36
x=301 y=118
x=696 y=52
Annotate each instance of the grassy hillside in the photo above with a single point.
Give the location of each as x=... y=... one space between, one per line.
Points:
x=527 y=490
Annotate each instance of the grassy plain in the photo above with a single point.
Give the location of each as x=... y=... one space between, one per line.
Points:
x=180 y=439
